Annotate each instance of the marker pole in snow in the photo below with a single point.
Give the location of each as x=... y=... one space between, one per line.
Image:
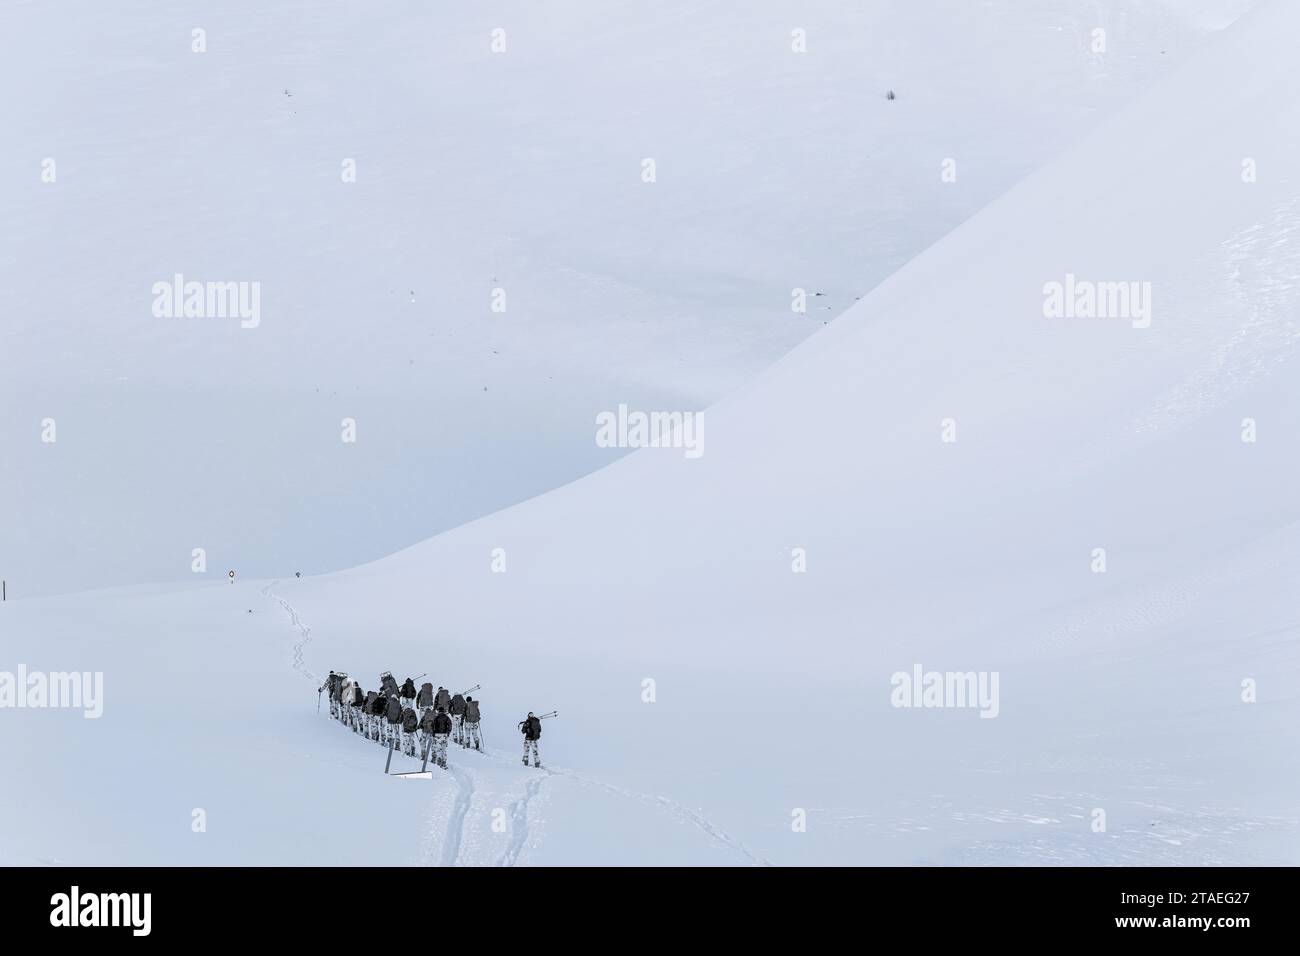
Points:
x=425 y=764
x=389 y=762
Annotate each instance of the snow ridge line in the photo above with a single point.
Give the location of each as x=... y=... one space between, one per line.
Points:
x=298 y=663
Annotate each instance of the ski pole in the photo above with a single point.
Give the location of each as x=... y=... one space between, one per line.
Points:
x=554 y=713
x=471 y=690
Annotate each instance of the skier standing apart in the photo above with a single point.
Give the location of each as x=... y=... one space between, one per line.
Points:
x=457 y=710
x=532 y=730
x=441 y=731
x=472 y=736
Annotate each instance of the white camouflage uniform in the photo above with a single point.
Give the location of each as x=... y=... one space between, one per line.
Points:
x=440 y=749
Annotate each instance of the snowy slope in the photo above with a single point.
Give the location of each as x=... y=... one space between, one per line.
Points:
x=475 y=171
x=1119 y=691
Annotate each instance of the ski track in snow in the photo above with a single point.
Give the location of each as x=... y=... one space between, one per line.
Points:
x=451 y=843
x=696 y=819
x=299 y=664
x=682 y=812
x=458 y=815
x=519 y=823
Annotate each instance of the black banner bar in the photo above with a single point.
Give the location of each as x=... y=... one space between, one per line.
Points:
x=182 y=905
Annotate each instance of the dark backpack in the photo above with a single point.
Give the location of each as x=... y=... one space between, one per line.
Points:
x=426 y=722
x=471 y=711
x=426 y=695
x=408 y=689
x=409 y=720
x=394 y=712
x=379 y=705
x=441 y=724
x=533 y=728
x=458 y=705
x=358 y=696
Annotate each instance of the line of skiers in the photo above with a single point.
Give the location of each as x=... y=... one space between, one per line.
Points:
x=420 y=721
x=413 y=721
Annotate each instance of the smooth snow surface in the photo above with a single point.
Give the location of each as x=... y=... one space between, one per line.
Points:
x=1119 y=692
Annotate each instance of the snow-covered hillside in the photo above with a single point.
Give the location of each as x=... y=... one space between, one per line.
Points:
x=1160 y=691
x=474 y=171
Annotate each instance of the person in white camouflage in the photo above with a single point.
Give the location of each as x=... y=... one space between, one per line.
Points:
x=457 y=711
x=410 y=724
x=345 y=696
x=531 y=727
x=393 y=721
x=357 y=710
x=472 y=736
x=426 y=732
x=441 y=731
x=331 y=685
